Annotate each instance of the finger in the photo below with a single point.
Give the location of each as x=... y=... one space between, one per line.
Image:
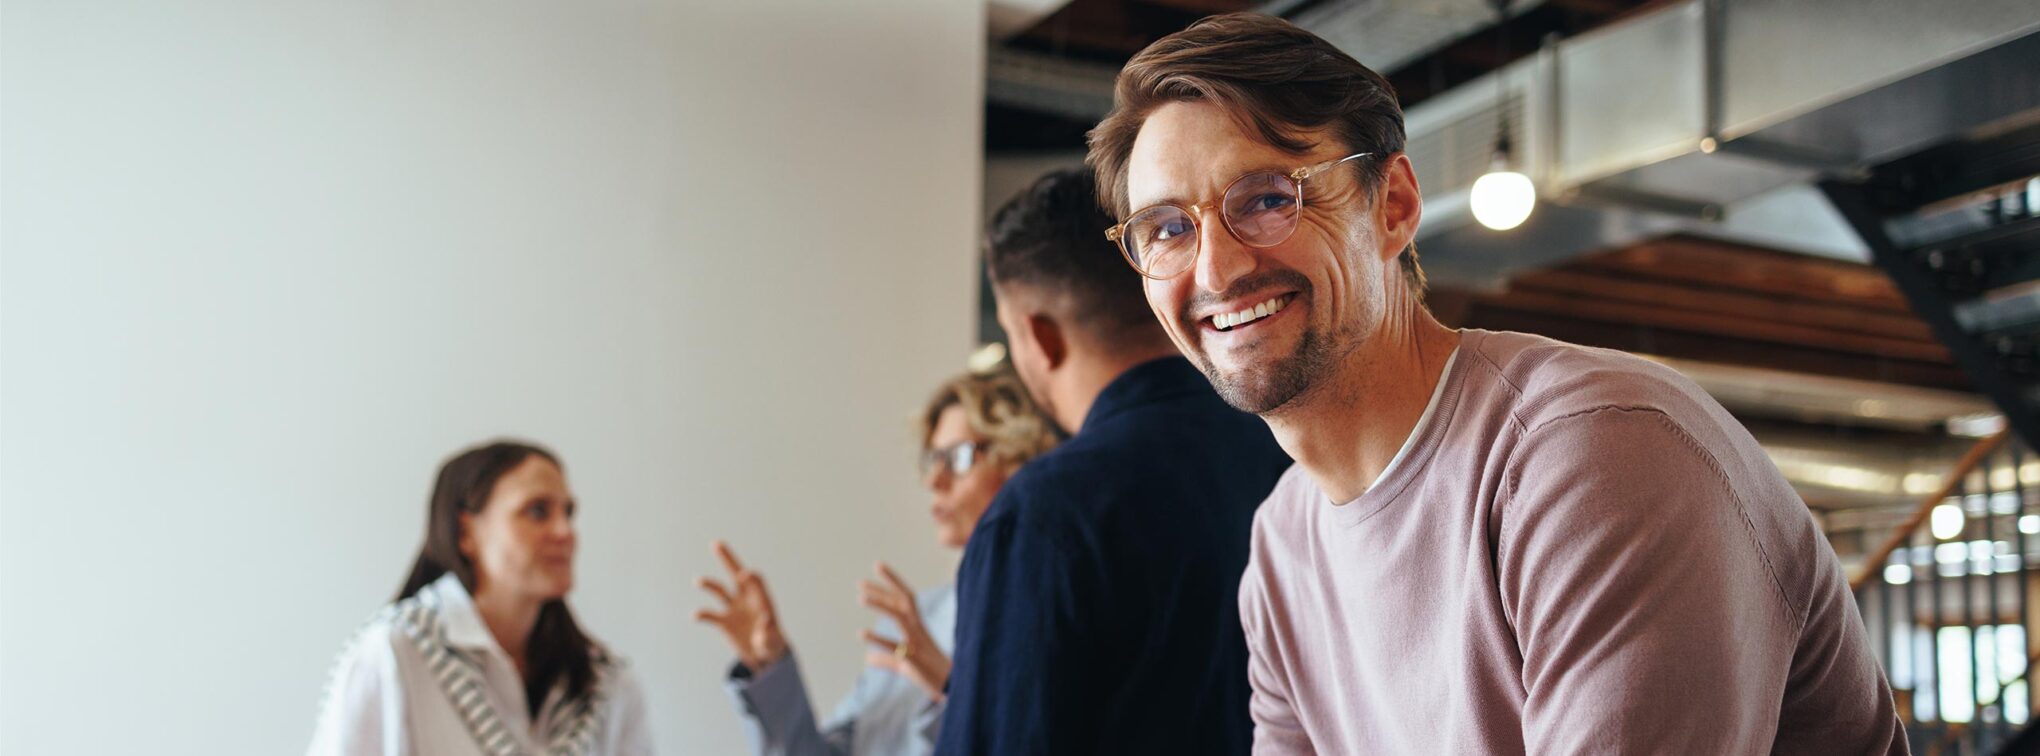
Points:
x=711 y=617
x=756 y=583
x=716 y=589
x=898 y=617
x=881 y=661
x=894 y=578
x=878 y=596
x=729 y=558
x=889 y=645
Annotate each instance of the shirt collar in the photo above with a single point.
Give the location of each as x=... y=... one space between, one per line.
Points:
x=457 y=614
x=1149 y=382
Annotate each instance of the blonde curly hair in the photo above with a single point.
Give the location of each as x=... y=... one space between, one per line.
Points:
x=997 y=408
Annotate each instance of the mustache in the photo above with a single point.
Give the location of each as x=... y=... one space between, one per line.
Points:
x=1273 y=279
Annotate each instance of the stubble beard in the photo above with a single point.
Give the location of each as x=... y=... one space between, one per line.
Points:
x=1277 y=384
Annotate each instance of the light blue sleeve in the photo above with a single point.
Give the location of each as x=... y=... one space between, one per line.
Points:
x=928 y=724
x=777 y=718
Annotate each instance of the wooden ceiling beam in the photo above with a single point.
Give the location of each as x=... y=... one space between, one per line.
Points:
x=1598 y=8
x=1745 y=328
x=1596 y=285
x=1203 y=7
x=1757 y=271
x=1645 y=339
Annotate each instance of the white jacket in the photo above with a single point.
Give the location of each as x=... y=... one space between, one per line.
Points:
x=384 y=700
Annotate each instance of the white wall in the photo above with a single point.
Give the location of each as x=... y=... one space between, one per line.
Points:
x=263 y=265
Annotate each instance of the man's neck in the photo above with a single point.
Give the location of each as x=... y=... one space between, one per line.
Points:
x=1087 y=375
x=1347 y=430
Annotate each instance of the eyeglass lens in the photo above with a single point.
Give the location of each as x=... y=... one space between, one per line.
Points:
x=1260 y=209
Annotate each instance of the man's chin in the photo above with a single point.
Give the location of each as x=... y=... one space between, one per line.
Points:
x=1265 y=386
x=1250 y=390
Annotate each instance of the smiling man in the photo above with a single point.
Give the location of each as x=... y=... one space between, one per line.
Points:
x=1491 y=542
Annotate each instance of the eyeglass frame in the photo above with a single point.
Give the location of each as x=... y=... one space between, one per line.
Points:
x=1117 y=233
x=943 y=459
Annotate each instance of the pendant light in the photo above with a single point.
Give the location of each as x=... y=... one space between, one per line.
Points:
x=1502 y=198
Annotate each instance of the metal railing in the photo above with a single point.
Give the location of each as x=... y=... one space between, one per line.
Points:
x=1947 y=598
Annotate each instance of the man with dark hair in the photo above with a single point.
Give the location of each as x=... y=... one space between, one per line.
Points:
x=1491 y=542
x=1095 y=609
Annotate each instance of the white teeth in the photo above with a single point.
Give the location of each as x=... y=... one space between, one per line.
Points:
x=1226 y=321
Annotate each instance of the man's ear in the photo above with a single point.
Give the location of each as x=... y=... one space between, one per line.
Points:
x=1049 y=338
x=1402 y=206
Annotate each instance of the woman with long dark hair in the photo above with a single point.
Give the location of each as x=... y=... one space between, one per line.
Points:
x=479 y=654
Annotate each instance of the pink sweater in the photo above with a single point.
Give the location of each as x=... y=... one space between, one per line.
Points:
x=1578 y=552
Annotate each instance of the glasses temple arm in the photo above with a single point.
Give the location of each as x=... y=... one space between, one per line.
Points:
x=1313 y=170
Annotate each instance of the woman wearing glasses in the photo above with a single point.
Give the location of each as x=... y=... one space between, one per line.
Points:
x=975 y=431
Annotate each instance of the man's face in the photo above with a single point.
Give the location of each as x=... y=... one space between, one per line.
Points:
x=1326 y=278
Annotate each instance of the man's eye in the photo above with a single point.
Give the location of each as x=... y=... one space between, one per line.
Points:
x=1268 y=202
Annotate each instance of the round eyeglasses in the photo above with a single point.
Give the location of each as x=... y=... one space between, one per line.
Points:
x=1259 y=209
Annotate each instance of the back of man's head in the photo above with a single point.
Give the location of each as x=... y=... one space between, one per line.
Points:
x=1047 y=245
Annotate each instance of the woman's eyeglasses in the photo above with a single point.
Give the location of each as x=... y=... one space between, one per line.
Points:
x=955 y=459
x=1259 y=209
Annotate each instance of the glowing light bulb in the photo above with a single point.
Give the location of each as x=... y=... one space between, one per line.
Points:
x=1947 y=521
x=1897 y=574
x=1502 y=200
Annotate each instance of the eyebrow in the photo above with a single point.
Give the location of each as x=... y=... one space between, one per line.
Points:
x=1179 y=202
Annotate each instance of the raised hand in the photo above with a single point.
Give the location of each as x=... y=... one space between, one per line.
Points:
x=914 y=655
x=746 y=617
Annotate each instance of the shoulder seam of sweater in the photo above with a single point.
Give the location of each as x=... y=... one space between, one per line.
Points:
x=1800 y=614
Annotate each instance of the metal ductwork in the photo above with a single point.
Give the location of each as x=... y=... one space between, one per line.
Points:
x=1387 y=35
x=1384 y=34
x=1712 y=117
x=1073 y=89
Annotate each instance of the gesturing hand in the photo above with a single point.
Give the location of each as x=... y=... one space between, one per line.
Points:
x=915 y=655
x=747 y=617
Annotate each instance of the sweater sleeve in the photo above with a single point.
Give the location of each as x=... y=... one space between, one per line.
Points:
x=1648 y=614
x=1277 y=730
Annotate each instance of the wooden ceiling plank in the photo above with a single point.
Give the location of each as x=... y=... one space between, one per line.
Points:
x=1596 y=285
x=1739 y=327
x=1203 y=7
x=1759 y=271
x=1602 y=8
x=1711 y=348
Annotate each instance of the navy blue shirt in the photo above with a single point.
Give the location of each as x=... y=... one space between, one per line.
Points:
x=1098 y=600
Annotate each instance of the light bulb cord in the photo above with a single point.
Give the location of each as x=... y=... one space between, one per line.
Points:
x=1504 y=147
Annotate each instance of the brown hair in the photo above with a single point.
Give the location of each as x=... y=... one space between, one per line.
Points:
x=1276 y=78
x=557 y=648
x=997 y=407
